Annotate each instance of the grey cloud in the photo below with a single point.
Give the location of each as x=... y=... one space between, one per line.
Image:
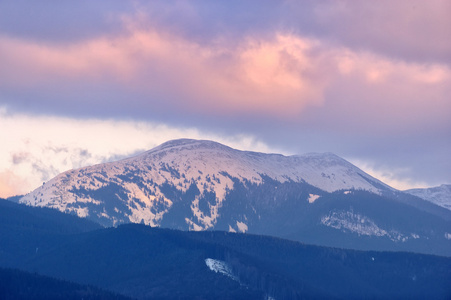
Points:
x=84 y=153
x=18 y=158
x=62 y=21
x=116 y=157
x=405 y=29
x=45 y=171
x=57 y=150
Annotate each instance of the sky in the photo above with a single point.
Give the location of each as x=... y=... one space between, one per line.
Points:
x=86 y=82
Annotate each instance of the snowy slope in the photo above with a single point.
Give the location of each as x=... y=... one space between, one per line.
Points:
x=440 y=195
x=208 y=165
x=221 y=267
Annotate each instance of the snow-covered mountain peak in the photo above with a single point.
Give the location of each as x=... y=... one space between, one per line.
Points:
x=324 y=160
x=324 y=170
x=185 y=165
x=188 y=144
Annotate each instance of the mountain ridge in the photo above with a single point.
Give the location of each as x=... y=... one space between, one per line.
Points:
x=203 y=185
x=211 y=165
x=439 y=195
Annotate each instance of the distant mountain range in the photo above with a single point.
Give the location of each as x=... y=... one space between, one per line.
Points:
x=153 y=263
x=203 y=185
x=440 y=195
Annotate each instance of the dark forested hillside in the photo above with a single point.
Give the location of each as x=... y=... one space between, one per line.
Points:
x=19 y=285
x=153 y=263
x=145 y=262
x=41 y=220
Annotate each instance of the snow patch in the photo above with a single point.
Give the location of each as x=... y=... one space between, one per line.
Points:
x=312 y=198
x=220 y=266
x=82 y=212
x=242 y=227
x=193 y=226
x=362 y=225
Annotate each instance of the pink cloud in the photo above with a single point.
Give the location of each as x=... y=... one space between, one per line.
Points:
x=280 y=76
x=11 y=184
x=401 y=95
x=416 y=30
x=263 y=76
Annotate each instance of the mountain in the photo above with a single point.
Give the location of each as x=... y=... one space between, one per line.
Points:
x=191 y=167
x=440 y=195
x=203 y=185
x=153 y=263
